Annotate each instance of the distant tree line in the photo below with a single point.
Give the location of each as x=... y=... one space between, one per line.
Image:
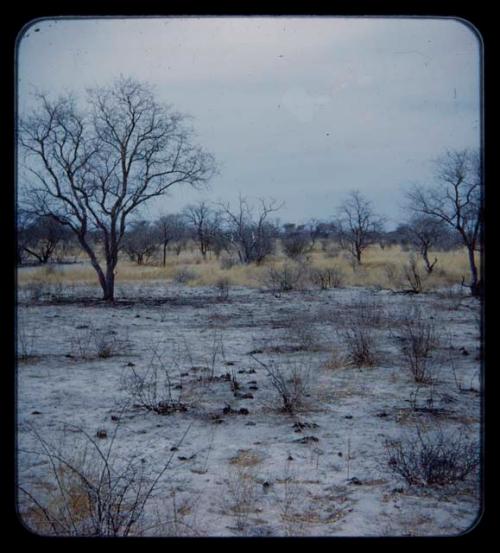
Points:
x=87 y=171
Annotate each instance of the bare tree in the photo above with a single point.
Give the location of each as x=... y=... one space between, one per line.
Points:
x=41 y=237
x=298 y=240
x=140 y=241
x=91 y=168
x=249 y=230
x=170 y=228
x=425 y=232
x=358 y=225
x=455 y=199
x=204 y=223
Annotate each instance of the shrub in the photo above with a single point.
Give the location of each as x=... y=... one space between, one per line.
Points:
x=284 y=279
x=291 y=382
x=93 y=342
x=295 y=245
x=90 y=492
x=327 y=278
x=419 y=337
x=183 y=276
x=433 y=458
x=360 y=342
x=222 y=285
x=154 y=389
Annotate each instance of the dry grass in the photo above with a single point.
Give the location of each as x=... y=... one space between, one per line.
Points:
x=245 y=458
x=381 y=268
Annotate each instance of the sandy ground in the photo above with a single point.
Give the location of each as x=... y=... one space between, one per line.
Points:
x=245 y=467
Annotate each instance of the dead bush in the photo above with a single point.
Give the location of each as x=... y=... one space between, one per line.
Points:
x=284 y=279
x=360 y=344
x=154 y=389
x=433 y=458
x=222 y=286
x=412 y=275
x=331 y=277
x=89 y=491
x=291 y=382
x=240 y=498
x=91 y=342
x=183 y=276
x=418 y=338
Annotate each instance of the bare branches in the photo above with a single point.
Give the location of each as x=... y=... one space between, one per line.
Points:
x=249 y=228
x=91 y=169
x=358 y=224
x=455 y=200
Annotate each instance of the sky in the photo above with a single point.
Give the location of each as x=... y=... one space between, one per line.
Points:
x=300 y=109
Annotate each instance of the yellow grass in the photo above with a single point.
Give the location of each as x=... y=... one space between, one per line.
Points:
x=380 y=268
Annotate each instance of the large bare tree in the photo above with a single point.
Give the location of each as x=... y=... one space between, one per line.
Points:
x=455 y=199
x=249 y=230
x=90 y=168
x=204 y=224
x=358 y=224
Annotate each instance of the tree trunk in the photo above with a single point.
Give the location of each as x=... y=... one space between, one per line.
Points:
x=428 y=265
x=109 y=284
x=475 y=284
x=165 y=253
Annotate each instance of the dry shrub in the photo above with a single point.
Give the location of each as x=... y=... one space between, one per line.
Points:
x=183 y=276
x=89 y=491
x=419 y=338
x=433 y=458
x=291 y=382
x=241 y=494
x=325 y=278
x=286 y=278
x=222 y=286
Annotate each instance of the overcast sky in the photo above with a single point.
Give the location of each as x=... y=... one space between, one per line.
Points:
x=300 y=109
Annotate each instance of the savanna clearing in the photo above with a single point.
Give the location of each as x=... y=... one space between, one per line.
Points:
x=314 y=397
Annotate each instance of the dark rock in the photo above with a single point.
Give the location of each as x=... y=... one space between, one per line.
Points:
x=36 y=413
x=246 y=396
x=348 y=417
x=244 y=411
x=174 y=448
x=130 y=364
x=355 y=481
x=115 y=418
x=102 y=434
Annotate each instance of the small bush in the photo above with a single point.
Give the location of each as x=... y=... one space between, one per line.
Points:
x=327 y=278
x=419 y=337
x=183 y=276
x=154 y=388
x=292 y=384
x=412 y=275
x=433 y=458
x=89 y=491
x=284 y=279
x=93 y=342
x=296 y=245
x=360 y=342
x=222 y=286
